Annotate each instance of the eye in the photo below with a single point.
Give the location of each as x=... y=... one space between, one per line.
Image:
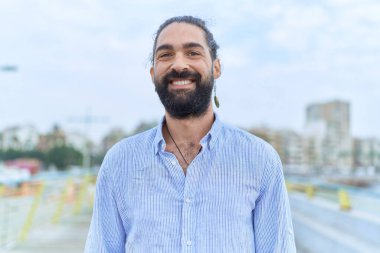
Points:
x=164 y=55
x=193 y=53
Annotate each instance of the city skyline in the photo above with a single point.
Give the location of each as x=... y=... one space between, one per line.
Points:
x=84 y=125
x=325 y=146
x=76 y=56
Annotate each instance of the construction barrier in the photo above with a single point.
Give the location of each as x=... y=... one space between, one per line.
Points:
x=38 y=203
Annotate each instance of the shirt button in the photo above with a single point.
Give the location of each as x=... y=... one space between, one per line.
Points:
x=188 y=243
x=187 y=200
x=173 y=162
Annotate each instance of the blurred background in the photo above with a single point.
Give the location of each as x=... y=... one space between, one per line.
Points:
x=74 y=79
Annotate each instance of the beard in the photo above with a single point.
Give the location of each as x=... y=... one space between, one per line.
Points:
x=182 y=104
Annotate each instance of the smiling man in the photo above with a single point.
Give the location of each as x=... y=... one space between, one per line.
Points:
x=193 y=183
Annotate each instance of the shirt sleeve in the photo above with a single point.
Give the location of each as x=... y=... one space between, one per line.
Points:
x=272 y=220
x=106 y=234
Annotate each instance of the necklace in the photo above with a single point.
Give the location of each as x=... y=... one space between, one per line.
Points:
x=171 y=137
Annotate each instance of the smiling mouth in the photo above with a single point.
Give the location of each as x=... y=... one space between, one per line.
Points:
x=181 y=82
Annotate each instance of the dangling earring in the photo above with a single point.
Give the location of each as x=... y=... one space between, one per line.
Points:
x=216 y=100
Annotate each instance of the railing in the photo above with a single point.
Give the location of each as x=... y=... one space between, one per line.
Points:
x=38 y=203
x=345 y=197
x=330 y=217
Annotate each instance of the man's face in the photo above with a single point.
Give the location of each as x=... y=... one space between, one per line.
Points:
x=183 y=71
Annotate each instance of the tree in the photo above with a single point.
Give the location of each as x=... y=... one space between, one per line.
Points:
x=64 y=156
x=143 y=126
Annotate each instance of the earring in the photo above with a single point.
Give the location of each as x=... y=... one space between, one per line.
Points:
x=216 y=100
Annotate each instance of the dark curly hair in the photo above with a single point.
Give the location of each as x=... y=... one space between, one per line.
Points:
x=213 y=46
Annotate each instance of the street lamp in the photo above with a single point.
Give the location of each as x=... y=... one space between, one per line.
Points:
x=9 y=68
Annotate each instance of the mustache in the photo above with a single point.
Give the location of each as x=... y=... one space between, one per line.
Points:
x=183 y=74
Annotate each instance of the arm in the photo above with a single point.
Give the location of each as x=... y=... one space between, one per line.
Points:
x=106 y=234
x=272 y=221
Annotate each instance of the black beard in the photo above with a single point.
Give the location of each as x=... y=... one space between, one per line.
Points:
x=185 y=104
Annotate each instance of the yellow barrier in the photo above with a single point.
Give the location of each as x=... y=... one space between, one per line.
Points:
x=296 y=187
x=82 y=193
x=61 y=202
x=29 y=220
x=2 y=190
x=344 y=200
x=38 y=204
x=310 y=191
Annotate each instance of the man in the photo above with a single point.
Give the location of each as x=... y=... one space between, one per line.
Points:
x=192 y=184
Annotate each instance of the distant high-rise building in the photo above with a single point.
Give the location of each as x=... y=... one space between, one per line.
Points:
x=329 y=136
x=366 y=153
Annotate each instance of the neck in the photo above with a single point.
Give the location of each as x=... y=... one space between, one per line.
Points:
x=189 y=130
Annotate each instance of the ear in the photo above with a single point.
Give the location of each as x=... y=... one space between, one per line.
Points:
x=152 y=73
x=217 y=68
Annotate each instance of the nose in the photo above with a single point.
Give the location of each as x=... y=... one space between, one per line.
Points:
x=179 y=63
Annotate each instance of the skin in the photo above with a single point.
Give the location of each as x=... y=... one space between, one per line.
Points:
x=182 y=46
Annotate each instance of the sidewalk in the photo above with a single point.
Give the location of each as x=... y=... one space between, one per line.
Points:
x=69 y=236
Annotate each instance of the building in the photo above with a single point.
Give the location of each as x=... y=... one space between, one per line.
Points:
x=56 y=137
x=19 y=138
x=294 y=157
x=328 y=136
x=366 y=154
x=288 y=144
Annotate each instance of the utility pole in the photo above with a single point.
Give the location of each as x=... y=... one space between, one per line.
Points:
x=87 y=120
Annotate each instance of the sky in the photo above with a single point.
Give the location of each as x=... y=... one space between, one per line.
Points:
x=82 y=57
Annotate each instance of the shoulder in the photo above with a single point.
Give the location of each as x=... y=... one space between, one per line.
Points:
x=142 y=139
x=251 y=149
x=131 y=147
x=247 y=141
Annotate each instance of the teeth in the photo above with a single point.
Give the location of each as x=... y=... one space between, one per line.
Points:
x=181 y=82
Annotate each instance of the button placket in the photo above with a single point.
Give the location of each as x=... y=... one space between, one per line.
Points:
x=195 y=173
x=187 y=212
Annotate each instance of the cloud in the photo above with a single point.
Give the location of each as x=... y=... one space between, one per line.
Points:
x=280 y=53
x=295 y=28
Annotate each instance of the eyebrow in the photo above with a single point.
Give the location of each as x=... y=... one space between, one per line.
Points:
x=186 y=46
x=192 y=44
x=164 y=47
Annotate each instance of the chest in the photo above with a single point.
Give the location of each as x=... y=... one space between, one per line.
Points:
x=161 y=203
x=162 y=189
x=184 y=154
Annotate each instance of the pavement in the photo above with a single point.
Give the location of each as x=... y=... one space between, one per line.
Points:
x=68 y=236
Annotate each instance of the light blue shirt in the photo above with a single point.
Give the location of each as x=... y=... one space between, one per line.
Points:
x=232 y=199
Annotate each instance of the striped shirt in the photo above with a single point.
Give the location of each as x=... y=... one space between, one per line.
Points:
x=232 y=198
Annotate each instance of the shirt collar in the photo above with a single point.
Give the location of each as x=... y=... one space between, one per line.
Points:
x=159 y=139
x=211 y=137
x=208 y=140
